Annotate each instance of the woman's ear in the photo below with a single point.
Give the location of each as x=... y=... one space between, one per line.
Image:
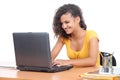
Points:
x=77 y=19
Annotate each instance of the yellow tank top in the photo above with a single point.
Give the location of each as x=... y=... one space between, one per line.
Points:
x=83 y=53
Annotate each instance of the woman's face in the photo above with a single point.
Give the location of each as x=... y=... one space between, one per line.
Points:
x=69 y=23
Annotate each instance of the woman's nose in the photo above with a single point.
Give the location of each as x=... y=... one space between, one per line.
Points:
x=64 y=26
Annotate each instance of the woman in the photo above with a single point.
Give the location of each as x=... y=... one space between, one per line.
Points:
x=81 y=44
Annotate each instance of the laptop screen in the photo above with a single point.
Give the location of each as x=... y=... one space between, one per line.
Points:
x=32 y=49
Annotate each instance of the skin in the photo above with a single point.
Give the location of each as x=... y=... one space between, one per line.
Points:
x=71 y=26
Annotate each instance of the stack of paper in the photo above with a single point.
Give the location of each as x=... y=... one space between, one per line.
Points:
x=97 y=75
x=88 y=76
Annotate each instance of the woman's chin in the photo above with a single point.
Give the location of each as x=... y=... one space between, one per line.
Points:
x=68 y=32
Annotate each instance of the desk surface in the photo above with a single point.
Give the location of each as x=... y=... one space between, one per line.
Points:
x=72 y=74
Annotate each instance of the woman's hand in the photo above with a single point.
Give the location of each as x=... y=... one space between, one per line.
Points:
x=61 y=62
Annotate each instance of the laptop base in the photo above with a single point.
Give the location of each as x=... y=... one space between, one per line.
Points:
x=45 y=69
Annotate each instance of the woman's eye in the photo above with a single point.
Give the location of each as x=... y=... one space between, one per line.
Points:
x=66 y=22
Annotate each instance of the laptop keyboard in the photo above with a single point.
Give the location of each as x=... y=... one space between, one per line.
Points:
x=54 y=68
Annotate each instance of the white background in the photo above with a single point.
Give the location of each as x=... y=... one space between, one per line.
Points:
x=103 y=16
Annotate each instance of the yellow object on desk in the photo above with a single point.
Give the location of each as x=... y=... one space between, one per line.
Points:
x=96 y=76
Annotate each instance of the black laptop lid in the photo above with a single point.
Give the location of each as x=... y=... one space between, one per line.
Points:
x=32 y=49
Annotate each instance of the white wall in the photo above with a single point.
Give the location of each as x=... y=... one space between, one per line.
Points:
x=103 y=16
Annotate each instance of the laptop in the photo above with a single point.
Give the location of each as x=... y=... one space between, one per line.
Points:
x=32 y=52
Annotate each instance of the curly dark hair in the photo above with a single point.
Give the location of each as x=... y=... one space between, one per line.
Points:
x=75 y=11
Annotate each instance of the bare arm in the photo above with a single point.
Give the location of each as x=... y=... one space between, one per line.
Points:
x=56 y=49
x=90 y=61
